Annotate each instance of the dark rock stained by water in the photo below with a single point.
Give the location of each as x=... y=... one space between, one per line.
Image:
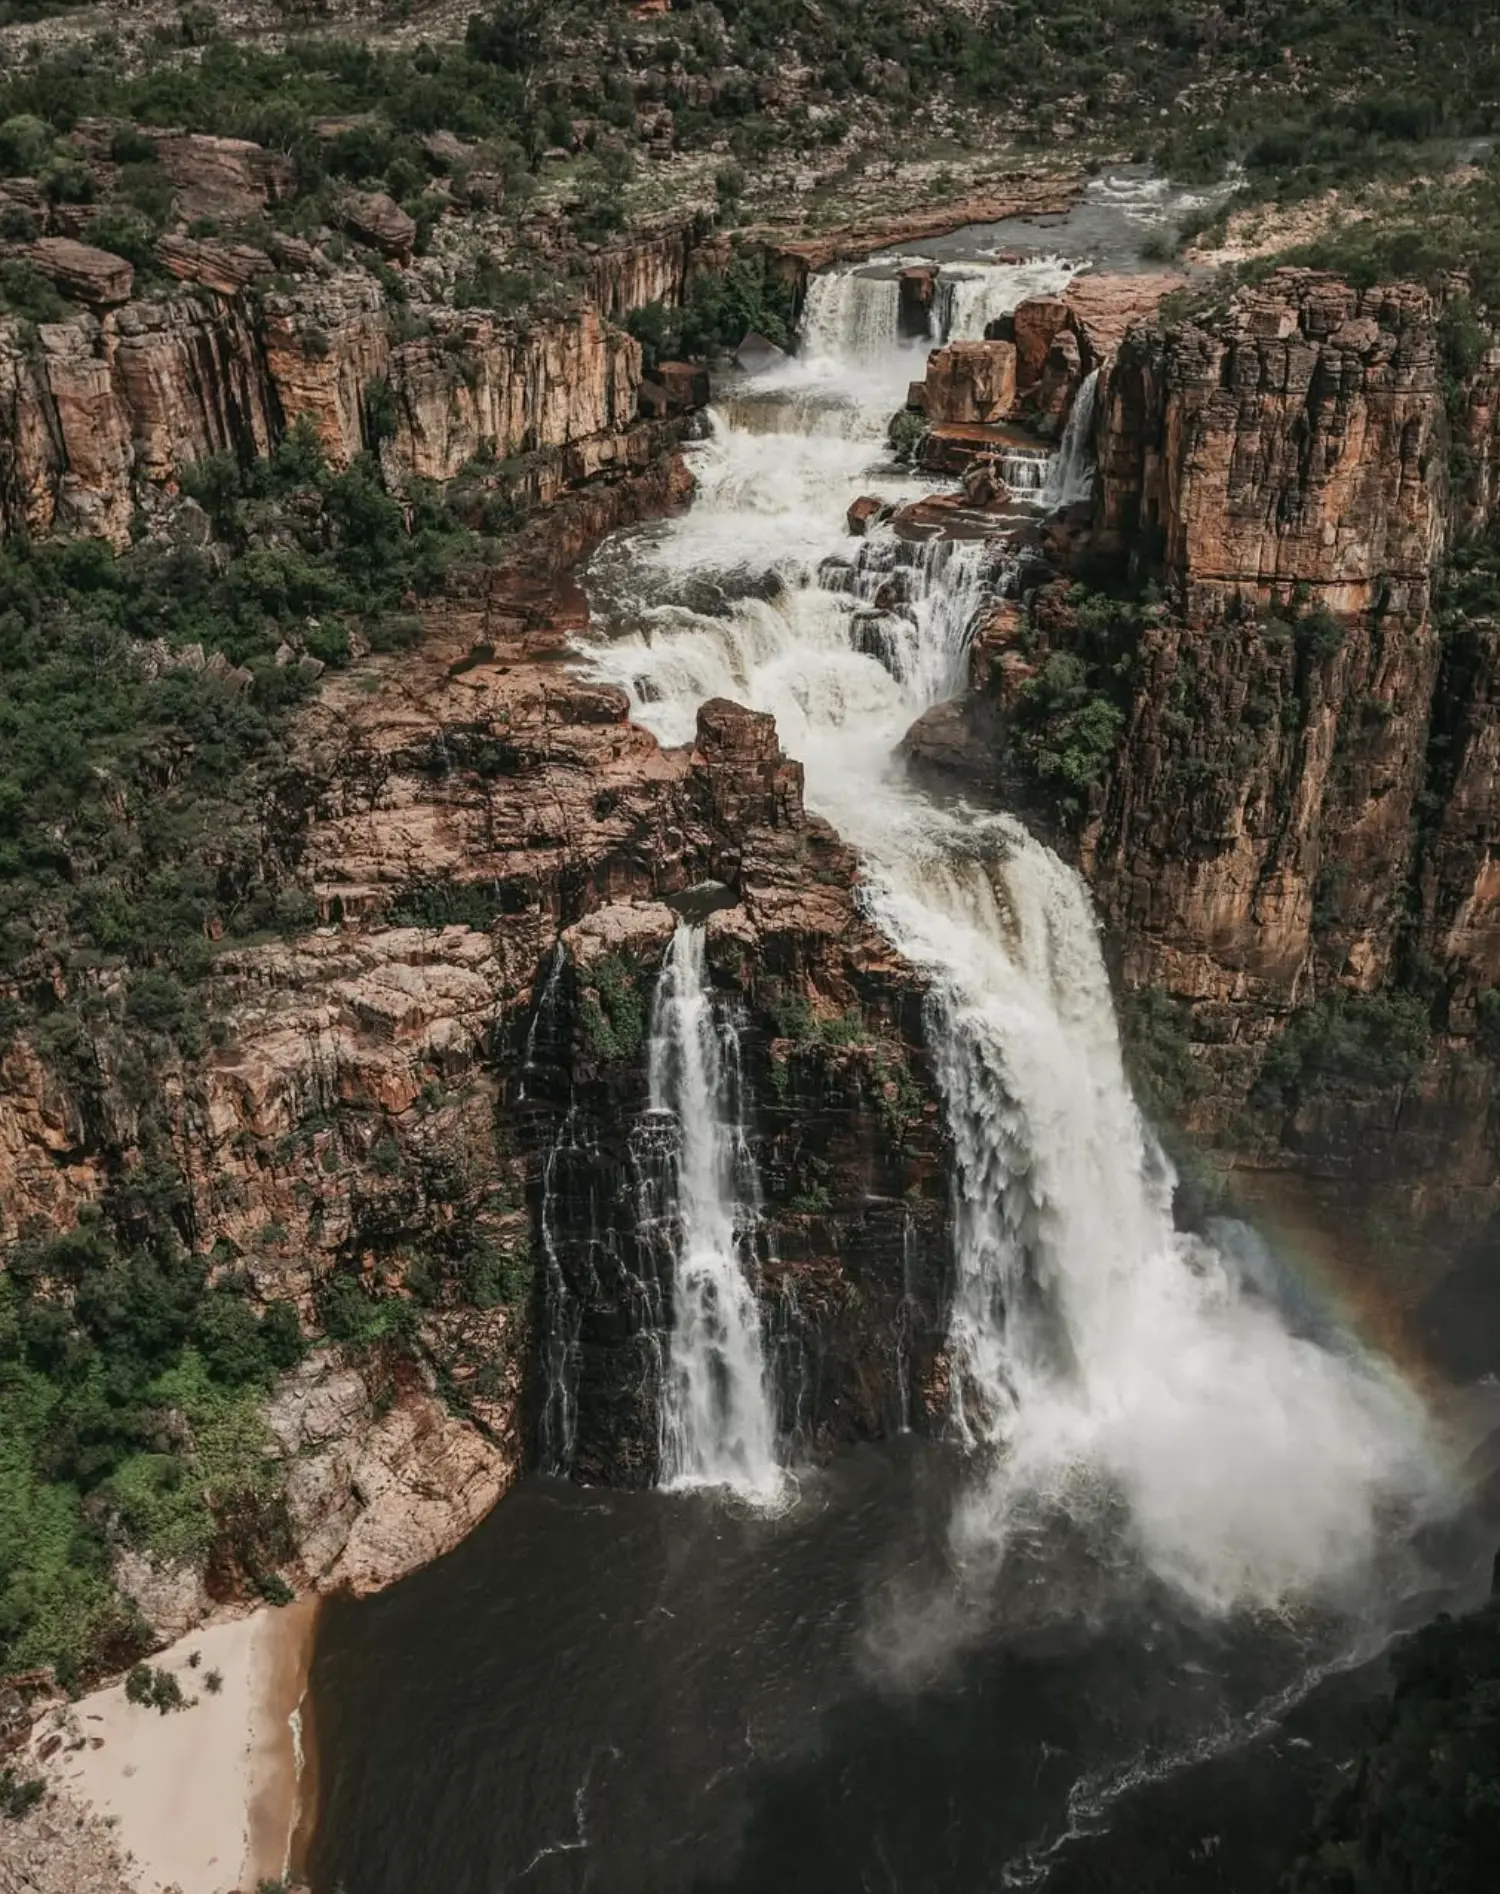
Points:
x=852 y=1241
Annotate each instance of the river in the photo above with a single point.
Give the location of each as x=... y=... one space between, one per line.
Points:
x=1115 y=1630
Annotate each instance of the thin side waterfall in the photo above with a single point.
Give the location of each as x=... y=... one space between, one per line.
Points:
x=563 y=1316
x=1070 y=477
x=717 y=1422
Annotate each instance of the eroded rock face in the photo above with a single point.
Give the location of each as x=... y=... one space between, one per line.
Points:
x=845 y=1132
x=374 y=217
x=1061 y=339
x=970 y=382
x=223 y=177
x=100 y=412
x=1302 y=441
x=1304 y=799
x=382 y=1480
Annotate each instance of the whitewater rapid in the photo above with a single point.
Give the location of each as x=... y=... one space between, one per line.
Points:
x=1106 y=1367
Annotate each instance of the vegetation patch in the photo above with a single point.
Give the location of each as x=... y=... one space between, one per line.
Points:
x=129 y=1410
x=1421 y=1813
x=613 y=1011
x=1344 y=1040
x=1164 y=1075
x=151 y=1686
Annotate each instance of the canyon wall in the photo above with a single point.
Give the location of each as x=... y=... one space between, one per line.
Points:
x=102 y=413
x=1302 y=809
x=429 y=1101
x=1250 y=685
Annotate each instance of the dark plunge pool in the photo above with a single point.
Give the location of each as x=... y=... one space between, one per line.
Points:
x=659 y=1692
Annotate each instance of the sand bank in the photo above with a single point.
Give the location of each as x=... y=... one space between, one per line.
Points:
x=204 y=1800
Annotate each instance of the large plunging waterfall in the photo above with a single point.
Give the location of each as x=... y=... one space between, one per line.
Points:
x=717 y=1427
x=1109 y=1367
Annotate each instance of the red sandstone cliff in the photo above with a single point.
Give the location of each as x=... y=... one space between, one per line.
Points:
x=100 y=413
x=1304 y=802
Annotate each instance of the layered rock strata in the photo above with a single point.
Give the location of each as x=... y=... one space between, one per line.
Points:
x=100 y=413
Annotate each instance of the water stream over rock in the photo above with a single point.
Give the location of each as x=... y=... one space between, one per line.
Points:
x=718 y=1428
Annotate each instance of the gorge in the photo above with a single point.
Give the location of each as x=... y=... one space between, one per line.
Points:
x=749 y=986
x=1152 y=1432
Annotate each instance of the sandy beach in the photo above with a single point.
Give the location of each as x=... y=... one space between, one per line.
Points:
x=203 y=1800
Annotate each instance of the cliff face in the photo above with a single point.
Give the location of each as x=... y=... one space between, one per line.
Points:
x=414 y=1102
x=1302 y=440
x=843 y=1128
x=1285 y=801
x=1303 y=805
x=101 y=412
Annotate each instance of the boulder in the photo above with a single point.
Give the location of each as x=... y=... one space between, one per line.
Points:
x=225 y=268
x=1035 y=323
x=224 y=177
x=866 y=512
x=377 y=219
x=447 y=149
x=96 y=277
x=757 y=352
x=686 y=384
x=971 y=383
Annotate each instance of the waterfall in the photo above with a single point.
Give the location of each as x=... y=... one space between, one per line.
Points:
x=562 y=1318
x=973 y=295
x=932 y=593
x=1101 y=1357
x=1070 y=478
x=717 y=1427
x=1025 y=474
x=1108 y=1370
x=851 y=319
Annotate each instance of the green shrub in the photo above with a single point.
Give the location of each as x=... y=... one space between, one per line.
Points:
x=494 y=1276
x=19 y=1795
x=25 y=292
x=25 y=145
x=130 y=145
x=1070 y=730
x=154 y=1688
x=98 y=1348
x=1156 y=1033
x=613 y=1011
x=1320 y=634
x=1345 y=1039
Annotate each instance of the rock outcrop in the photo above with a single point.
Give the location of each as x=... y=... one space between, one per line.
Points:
x=970 y=382
x=1300 y=441
x=101 y=413
x=96 y=414
x=1300 y=811
x=1302 y=807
